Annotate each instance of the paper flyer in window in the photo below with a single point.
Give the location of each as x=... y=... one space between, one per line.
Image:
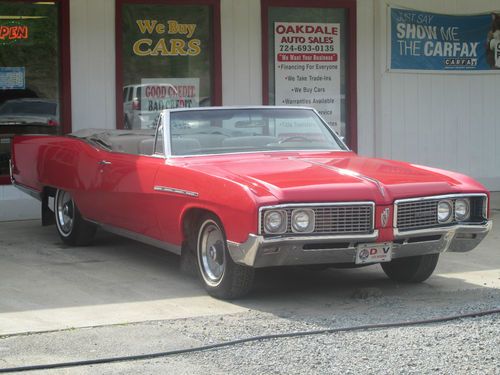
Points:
x=307 y=68
x=12 y=78
x=158 y=94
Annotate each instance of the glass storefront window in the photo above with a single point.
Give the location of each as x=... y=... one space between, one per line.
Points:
x=29 y=72
x=167 y=53
x=307 y=54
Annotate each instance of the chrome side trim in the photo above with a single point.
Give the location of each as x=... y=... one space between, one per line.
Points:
x=252 y=152
x=166 y=189
x=167 y=145
x=140 y=238
x=329 y=204
x=439 y=197
x=11 y=169
x=183 y=109
x=157 y=156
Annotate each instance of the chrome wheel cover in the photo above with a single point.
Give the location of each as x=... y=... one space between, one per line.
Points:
x=65 y=212
x=211 y=253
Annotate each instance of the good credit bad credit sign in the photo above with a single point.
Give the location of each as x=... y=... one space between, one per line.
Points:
x=307 y=67
x=158 y=94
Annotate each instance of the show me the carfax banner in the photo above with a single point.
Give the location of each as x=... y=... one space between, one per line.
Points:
x=430 y=41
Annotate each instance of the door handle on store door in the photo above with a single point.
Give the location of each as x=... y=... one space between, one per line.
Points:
x=104 y=162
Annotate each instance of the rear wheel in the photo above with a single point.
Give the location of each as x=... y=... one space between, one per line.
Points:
x=412 y=269
x=221 y=277
x=72 y=228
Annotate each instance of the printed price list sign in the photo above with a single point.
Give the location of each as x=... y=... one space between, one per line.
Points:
x=307 y=68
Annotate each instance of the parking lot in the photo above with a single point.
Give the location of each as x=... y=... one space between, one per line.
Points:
x=119 y=297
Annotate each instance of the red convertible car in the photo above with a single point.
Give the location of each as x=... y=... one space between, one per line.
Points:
x=241 y=188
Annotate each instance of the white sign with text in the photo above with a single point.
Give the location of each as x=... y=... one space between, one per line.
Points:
x=307 y=68
x=165 y=93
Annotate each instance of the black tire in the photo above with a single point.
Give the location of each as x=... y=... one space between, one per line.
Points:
x=221 y=277
x=73 y=229
x=412 y=269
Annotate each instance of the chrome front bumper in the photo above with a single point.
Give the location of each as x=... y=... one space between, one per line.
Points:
x=259 y=252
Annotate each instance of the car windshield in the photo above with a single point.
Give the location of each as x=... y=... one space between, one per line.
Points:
x=247 y=130
x=29 y=108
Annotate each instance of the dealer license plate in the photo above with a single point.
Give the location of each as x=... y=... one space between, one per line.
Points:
x=374 y=253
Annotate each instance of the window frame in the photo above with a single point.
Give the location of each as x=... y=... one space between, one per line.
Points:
x=216 y=35
x=65 y=71
x=351 y=64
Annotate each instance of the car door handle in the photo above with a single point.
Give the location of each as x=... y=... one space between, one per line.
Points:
x=104 y=162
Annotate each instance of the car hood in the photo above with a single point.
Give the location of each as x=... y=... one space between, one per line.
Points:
x=337 y=176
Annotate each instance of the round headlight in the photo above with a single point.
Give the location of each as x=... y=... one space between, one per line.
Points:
x=275 y=221
x=303 y=220
x=462 y=210
x=444 y=211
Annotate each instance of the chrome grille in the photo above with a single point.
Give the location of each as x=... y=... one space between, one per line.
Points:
x=334 y=219
x=343 y=219
x=417 y=214
x=422 y=213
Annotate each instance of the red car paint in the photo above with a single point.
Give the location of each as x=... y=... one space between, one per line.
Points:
x=232 y=186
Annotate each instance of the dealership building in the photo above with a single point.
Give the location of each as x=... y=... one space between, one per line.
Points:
x=410 y=80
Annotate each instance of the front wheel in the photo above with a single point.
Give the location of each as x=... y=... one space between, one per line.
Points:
x=221 y=277
x=412 y=269
x=73 y=229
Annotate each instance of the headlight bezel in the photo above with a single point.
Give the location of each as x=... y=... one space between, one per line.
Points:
x=283 y=225
x=311 y=220
x=466 y=216
x=451 y=211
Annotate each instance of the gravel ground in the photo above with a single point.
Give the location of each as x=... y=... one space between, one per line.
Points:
x=438 y=349
x=467 y=346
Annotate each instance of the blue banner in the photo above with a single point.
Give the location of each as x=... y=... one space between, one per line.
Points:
x=429 y=41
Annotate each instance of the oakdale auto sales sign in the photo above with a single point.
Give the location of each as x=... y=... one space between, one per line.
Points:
x=307 y=68
x=430 y=41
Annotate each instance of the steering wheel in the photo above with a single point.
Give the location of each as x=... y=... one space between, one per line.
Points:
x=294 y=138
